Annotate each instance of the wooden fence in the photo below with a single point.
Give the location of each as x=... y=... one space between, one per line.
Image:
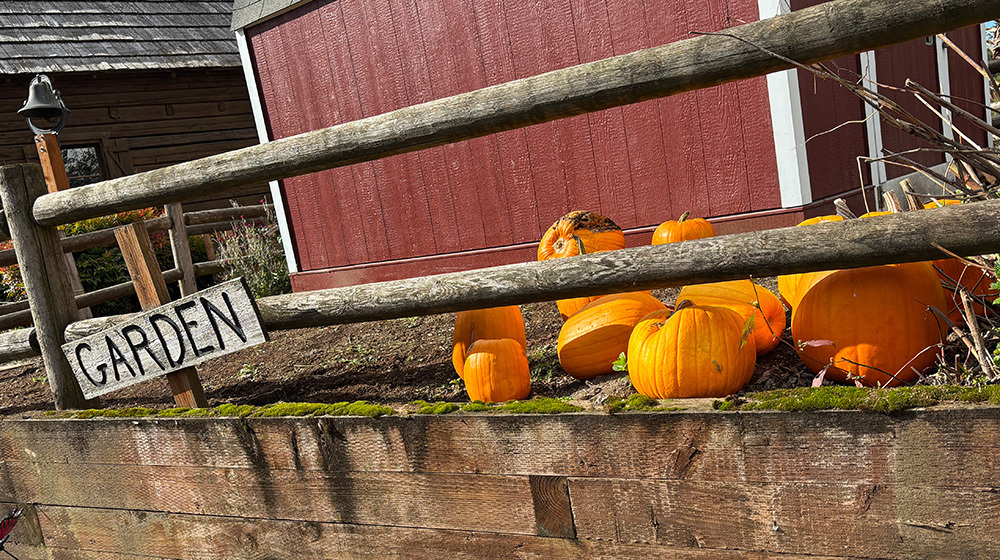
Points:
x=813 y=34
x=17 y=314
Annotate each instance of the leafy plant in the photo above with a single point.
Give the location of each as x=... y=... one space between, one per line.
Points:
x=254 y=251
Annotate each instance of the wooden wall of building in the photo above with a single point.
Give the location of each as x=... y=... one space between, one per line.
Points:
x=682 y=485
x=142 y=120
x=487 y=201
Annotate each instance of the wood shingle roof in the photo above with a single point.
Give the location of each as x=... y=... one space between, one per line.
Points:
x=69 y=36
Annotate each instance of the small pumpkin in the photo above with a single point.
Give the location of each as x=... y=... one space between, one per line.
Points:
x=696 y=351
x=494 y=322
x=593 y=338
x=496 y=370
x=791 y=286
x=871 y=323
x=748 y=299
x=682 y=229
x=579 y=233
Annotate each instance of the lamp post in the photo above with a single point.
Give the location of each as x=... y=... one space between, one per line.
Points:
x=45 y=104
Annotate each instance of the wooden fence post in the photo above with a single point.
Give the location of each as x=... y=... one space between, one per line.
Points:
x=151 y=289
x=181 y=248
x=46 y=279
x=56 y=179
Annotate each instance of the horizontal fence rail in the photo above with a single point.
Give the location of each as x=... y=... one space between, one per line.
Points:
x=968 y=229
x=813 y=34
x=204 y=221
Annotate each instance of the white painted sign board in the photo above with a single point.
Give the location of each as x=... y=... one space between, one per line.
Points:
x=213 y=322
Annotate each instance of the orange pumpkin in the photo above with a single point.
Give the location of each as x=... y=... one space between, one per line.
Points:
x=593 y=338
x=696 y=351
x=791 y=286
x=871 y=323
x=478 y=324
x=496 y=370
x=682 y=229
x=579 y=233
x=745 y=298
x=973 y=279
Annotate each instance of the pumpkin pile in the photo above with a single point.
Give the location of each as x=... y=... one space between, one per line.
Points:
x=872 y=326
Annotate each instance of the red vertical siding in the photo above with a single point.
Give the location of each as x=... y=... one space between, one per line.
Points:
x=967 y=85
x=329 y=62
x=914 y=60
x=832 y=119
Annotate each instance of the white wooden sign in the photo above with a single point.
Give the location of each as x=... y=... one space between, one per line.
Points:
x=211 y=323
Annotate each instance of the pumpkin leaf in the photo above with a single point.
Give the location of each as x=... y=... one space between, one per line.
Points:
x=748 y=326
x=621 y=364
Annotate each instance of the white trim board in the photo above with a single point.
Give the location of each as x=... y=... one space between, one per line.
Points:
x=786 y=124
x=258 y=117
x=873 y=124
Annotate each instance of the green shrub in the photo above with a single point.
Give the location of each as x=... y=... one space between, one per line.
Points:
x=101 y=267
x=254 y=251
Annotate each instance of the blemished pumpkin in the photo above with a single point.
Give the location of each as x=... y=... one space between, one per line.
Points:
x=871 y=324
x=683 y=229
x=790 y=286
x=496 y=370
x=579 y=233
x=747 y=299
x=696 y=351
x=592 y=339
x=494 y=322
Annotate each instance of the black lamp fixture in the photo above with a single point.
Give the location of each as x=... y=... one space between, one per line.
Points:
x=45 y=104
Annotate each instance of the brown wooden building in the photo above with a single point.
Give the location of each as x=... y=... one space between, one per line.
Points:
x=148 y=83
x=747 y=154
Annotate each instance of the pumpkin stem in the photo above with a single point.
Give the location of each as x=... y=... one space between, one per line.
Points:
x=579 y=244
x=684 y=216
x=683 y=305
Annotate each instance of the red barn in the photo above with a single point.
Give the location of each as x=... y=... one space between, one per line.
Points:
x=735 y=153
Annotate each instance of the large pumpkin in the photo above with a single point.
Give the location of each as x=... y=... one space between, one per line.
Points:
x=696 y=351
x=579 y=233
x=495 y=322
x=871 y=323
x=593 y=338
x=496 y=370
x=745 y=298
x=791 y=286
x=682 y=229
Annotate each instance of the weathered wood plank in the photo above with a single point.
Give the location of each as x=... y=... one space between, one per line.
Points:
x=18 y=344
x=168 y=340
x=858 y=520
x=965 y=229
x=46 y=282
x=151 y=289
x=762 y=448
x=808 y=35
x=181 y=248
x=553 y=511
x=497 y=504
x=98 y=534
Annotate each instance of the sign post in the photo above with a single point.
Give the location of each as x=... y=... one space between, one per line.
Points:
x=168 y=340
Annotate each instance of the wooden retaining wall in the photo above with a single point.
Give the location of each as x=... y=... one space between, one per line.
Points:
x=920 y=484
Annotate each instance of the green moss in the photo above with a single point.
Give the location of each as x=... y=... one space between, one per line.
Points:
x=881 y=400
x=636 y=403
x=542 y=405
x=723 y=405
x=359 y=408
x=477 y=406
x=436 y=408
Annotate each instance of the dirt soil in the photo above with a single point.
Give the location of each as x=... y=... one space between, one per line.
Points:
x=392 y=362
